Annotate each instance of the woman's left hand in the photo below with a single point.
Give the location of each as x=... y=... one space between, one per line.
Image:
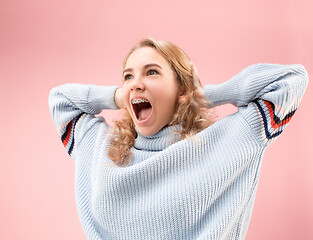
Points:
x=196 y=82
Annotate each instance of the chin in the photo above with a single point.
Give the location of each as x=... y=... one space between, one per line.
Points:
x=147 y=132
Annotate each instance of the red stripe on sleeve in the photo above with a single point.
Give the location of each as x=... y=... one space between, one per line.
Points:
x=271 y=112
x=69 y=130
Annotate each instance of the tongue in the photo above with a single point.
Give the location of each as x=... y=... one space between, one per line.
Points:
x=144 y=113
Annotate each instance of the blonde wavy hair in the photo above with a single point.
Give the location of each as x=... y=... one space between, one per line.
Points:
x=192 y=114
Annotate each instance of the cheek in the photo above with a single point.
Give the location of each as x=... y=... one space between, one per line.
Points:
x=167 y=100
x=167 y=91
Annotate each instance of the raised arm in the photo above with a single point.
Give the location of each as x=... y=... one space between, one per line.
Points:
x=267 y=95
x=73 y=107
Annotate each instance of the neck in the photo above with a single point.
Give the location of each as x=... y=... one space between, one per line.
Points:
x=159 y=141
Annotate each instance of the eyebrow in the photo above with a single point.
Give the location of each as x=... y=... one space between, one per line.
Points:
x=146 y=66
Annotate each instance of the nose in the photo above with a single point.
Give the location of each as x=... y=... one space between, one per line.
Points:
x=137 y=84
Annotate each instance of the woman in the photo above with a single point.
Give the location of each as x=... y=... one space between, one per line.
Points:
x=165 y=171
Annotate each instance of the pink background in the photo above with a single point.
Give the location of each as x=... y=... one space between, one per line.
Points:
x=47 y=43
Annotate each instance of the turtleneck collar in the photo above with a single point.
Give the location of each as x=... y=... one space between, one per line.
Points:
x=159 y=141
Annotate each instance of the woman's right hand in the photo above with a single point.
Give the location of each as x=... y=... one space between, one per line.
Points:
x=118 y=98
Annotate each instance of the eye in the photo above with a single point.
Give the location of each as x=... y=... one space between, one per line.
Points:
x=127 y=77
x=152 y=72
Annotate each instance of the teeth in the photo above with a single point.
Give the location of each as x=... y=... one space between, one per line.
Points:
x=139 y=100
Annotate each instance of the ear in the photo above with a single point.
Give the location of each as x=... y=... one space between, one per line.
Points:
x=182 y=96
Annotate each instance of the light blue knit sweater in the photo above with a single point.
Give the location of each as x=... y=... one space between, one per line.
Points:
x=198 y=188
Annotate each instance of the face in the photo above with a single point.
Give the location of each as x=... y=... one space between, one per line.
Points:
x=151 y=90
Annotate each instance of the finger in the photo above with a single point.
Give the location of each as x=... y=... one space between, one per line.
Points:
x=195 y=76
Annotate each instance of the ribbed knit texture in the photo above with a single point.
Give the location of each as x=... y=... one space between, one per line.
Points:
x=198 y=188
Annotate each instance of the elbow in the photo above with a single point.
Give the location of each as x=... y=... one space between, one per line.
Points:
x=53 y=99
x=303 y=75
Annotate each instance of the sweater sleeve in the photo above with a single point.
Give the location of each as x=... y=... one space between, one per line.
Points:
x=73 y=108
x=267 y=95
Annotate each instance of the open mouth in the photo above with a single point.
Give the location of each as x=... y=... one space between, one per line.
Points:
x=142 y=108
